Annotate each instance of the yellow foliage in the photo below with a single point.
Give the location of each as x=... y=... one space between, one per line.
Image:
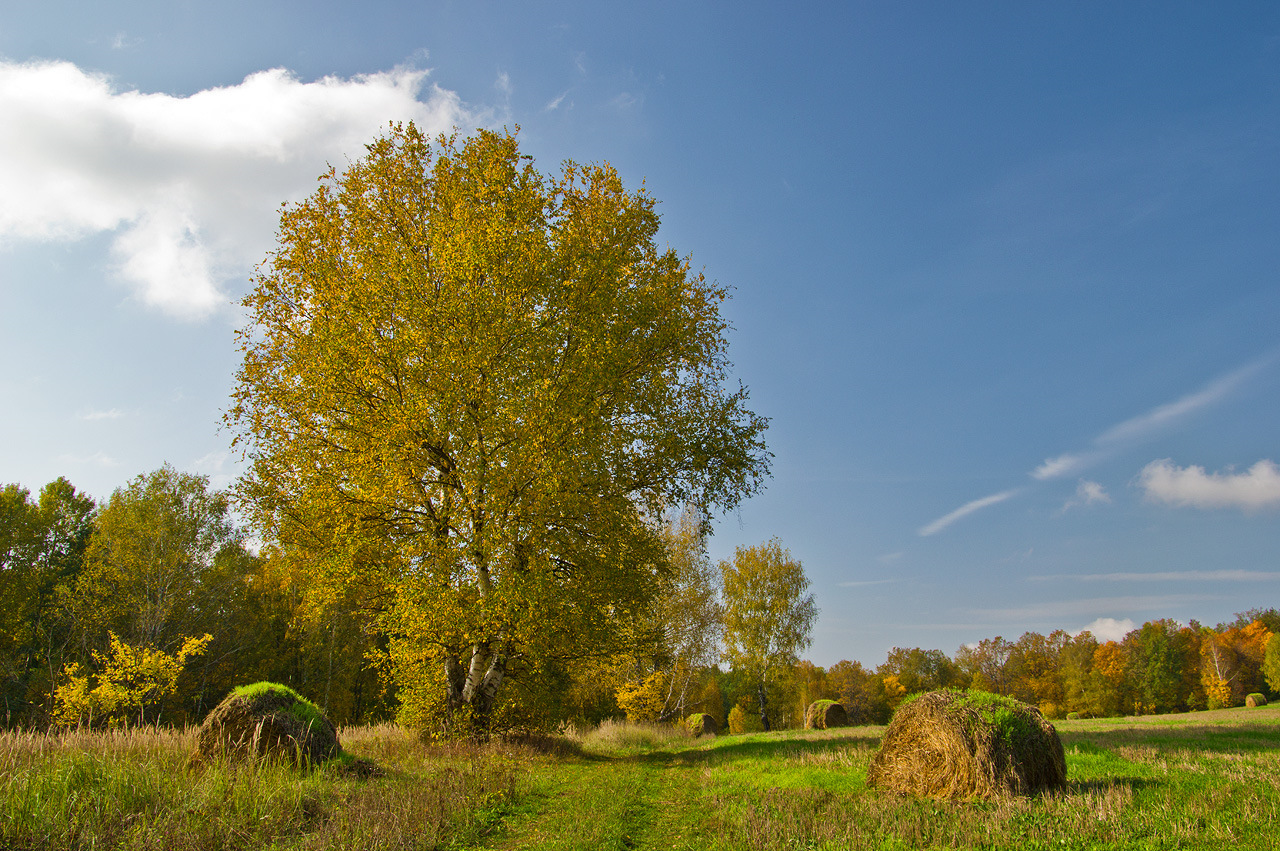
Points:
x=644 y=701
x=130 y=679
x=894 y=691
x=743 y=721
x=468 y=387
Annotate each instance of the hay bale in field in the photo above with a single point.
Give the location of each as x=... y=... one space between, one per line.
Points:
x=702 y=724
x=955 y=744
x=268 y=720
x=1255 y=700
x=825 y=714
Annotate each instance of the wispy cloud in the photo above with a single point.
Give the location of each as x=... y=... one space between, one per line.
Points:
x=113 y=414
x=1065 y=610
x=963 y=511
x=862 y=583
x=1165 y=415
x=1168 y=576
x=97 y=459
x=1142 y=426
x=1256 y=489
x=190 y=186
x=555 y=102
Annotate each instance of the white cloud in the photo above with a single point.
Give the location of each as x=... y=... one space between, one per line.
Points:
x=1088 y=493
x=215 y=466
x=1110 y=629
x=1052 y=468
x=1191 y=486
x=968 y=508
x=191 y=186
x=555 y=102
x=1091 y=492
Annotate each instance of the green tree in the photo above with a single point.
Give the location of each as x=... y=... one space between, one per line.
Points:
x=919 y=670
x=154 y=543
x=768 y=616
x=860 y=691
x=1271 y=663
x=468 y=388
x=986 y=664
x=42 y=545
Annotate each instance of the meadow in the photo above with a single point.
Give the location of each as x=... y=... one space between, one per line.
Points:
x=1197 y=780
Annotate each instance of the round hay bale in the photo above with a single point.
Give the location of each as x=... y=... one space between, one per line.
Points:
x=268 y=720
x=825 y=714
x=1255 y=700
x=702 y=724
x=955 y=744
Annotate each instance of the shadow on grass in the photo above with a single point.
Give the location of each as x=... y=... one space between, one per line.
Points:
x=758 y=746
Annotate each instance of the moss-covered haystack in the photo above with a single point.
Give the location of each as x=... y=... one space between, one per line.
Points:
x=1255 y=700
x=956 y=744
x=701 y=724
x=268 y=720
x=824 y=715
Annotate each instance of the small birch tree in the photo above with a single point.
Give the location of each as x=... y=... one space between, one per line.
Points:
x=768 y=616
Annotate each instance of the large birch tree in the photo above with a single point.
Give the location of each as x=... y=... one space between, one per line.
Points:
x=467 y=390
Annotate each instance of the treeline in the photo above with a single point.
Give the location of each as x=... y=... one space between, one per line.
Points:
x=1160 y=667
x=97 y=602
x=151 y=606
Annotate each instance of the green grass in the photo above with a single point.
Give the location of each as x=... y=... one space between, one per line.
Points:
x=302 y=709
x=1201 y=780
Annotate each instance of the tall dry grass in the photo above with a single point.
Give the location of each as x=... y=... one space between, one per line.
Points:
x=140 y=789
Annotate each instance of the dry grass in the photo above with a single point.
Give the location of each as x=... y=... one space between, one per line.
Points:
x=949 y=744
x=140 y=789
x=628 y=737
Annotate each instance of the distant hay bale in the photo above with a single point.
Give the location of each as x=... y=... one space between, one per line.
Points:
x=268 y=720
x=955 y=744
x=702 y=724
x=825 y=714
x=1255 y=700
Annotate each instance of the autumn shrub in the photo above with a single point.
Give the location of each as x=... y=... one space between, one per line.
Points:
x=743 y=721
x=128 y=681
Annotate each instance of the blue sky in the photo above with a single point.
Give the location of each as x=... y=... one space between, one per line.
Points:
x=1005 y=274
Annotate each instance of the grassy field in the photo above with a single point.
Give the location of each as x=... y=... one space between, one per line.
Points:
x=1203 y=780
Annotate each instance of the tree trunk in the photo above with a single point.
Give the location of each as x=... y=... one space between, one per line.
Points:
x=472 y=690
x=764 y=715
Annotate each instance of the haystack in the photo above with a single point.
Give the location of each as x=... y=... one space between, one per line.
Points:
x=268 y=720
x=1255 y=700
x=825 y=714
x=955 y=744
x=702 y=724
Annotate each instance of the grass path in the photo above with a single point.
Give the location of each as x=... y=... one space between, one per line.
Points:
x=603 y=803
x=1193 y=781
